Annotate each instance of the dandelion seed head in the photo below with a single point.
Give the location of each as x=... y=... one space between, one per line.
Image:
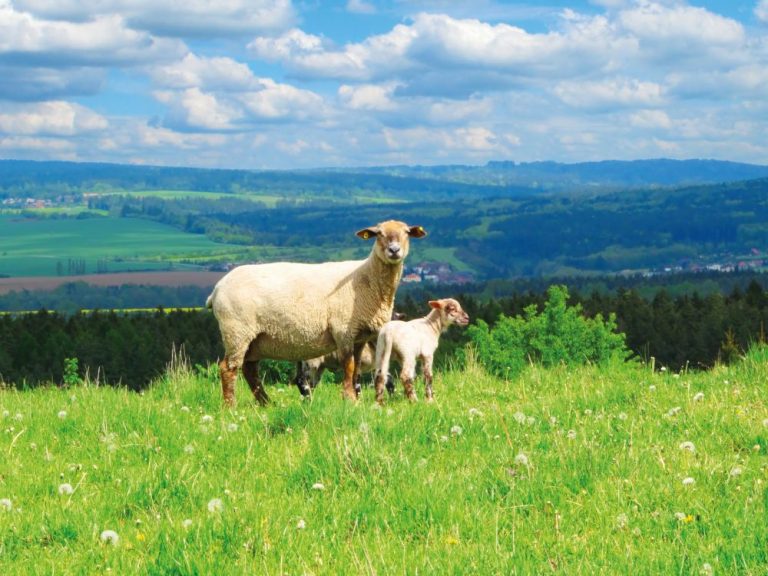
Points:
x=736 y=471
x=621 y=521
x=215 y=506
x=364 y=428
x=688 y=481
x=475 y=413
x=301 y=524
x=587 y=412
x=206 y=419
x=6 y=504
x=622 y=416
x=521 y=459
x=443 y=438
x=673 y=411
x=571 y=434
x=318 y=486
x=186 y=523
x=62 y=414
x=6 y=413
x=231 y=427
x=519 y=417
x=698 y=397
x=652 y=388
x=689 y=446
x=765 y=422
x=66 y=489
x=185 y=408
x=110 y=537
x=680 y=516
x=189 y=449
x=456 y=430
x=19 y=417
x=706 y=569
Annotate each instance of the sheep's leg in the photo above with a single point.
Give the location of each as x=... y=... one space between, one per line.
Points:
x=251 y=373
x=348 y=386
x=302 y=379
x=407 y=375
x=390 y=384
x=228 y=379
x=427 y=365
x=356 y=377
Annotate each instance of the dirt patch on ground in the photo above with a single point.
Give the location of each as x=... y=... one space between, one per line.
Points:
x=146 y=278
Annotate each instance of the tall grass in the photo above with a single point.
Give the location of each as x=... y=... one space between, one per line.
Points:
x=612 y=470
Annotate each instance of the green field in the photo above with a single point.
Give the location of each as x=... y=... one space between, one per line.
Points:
x=614 y=470
x=34 y=247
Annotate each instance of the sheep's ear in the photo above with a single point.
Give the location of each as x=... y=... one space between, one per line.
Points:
x=367 y=233
x=436 y=304
x=417 y=232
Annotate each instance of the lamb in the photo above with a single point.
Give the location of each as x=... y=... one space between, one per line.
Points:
x=293 y=311
x=412 y=340
x=309 y=372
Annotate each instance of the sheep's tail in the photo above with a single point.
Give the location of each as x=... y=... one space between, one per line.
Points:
x=209 y=301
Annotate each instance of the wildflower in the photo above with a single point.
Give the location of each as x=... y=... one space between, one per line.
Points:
x=571 y=434
x=140 y=537
x=206 y=419
x=680 y=516
x=215 y=506
x=765 y=422
x=553 y=420
x=301 y=524
x=189 y=449
x=673 y=411
x=698 y=397
x=110 y=537
x=318 y=486
x=688 y=481
x=6 y=504
x=456 y=430
x=364 y=428
x=185 y=408
x=6 y=413
x=706 y=569
x=186 y=523
x=66 y=489
x=587 y=412
x=18 y=417
x=530 y=420
x=689 y=446
x=443 y=438
x=621 y=521
x=474 y=412
x=232 y=427
x=519 y=417
x=521 y=459
x=736 y=471
x=652 y=388
x=622 y=416
x=62 y=414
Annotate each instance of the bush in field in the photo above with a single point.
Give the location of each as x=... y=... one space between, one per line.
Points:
x=558 y=335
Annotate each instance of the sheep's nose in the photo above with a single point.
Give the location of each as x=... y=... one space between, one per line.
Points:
x=394 y=250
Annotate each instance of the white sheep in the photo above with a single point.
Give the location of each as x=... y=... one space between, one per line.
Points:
x=414 y=340
x=309 y=372
x=292 y=311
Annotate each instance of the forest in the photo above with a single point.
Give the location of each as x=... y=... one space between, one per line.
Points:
x=690 y=331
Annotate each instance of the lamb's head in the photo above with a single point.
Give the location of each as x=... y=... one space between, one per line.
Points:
x=392 y=239
x=450 y=311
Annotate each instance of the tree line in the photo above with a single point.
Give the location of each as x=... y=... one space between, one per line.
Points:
x=691 y=331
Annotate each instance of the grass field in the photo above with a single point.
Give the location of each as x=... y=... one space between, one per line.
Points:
x=571 y=471
x=34 y=247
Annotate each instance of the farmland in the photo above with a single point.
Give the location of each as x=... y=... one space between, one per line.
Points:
x=44 y=246
x=611 y=470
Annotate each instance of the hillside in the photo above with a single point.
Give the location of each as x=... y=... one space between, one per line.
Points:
x=582 y=471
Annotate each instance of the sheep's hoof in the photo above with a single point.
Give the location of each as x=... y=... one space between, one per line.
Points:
x=412 y=398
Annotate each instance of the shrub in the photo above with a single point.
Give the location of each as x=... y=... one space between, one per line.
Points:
x=558 y=335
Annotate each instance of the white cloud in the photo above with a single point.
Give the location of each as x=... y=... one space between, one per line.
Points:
x=361 y=7
x=651 y=119
x=610 y=93
x=196 y=71
x=368 y=97
x=50 y=119
x=201 y=18
x=761 y=11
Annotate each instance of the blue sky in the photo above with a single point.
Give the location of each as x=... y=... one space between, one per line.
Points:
x=282 y=84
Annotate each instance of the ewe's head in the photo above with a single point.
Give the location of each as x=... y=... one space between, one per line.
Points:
x=451 y=311
x=392 y=239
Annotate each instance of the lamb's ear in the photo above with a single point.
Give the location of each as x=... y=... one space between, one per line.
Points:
x=417 y=232
x=367 y=233
x=436 y=304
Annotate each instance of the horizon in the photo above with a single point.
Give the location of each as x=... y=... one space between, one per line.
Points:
x=282 y=85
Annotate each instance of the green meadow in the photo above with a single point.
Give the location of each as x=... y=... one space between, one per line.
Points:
x=612 y=470
x=34 y=247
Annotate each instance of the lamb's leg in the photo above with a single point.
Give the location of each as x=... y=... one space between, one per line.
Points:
x=427 y=364
x=356 y=377
x=251 y=373
x=383 y=356
x=228 y=379
x=302 y=379
x=408 y=375
x=348 y=386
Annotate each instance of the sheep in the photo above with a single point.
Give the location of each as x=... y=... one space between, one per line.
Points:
x=309 y=372
x=412 y=340
x=294 y=311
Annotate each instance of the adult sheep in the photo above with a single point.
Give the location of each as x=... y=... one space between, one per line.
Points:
x=292 y=311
